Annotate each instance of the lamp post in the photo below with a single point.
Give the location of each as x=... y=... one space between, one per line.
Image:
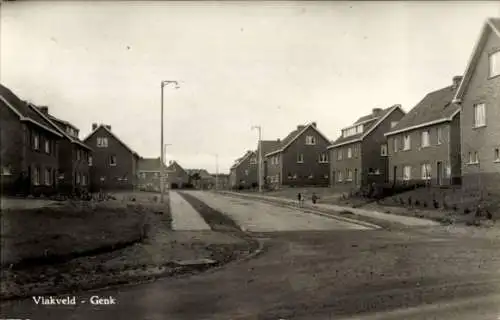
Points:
x=164 y=83
x=216 y=171
x=260 y=156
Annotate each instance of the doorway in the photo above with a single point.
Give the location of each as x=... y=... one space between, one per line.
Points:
x=439 y=173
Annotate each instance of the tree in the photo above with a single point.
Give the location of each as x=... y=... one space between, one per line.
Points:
x=195 y=177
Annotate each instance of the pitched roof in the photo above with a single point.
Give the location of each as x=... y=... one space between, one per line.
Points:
x=25 y=111
x=55 y=123
x=60 y=121
x=113 y=135
x=241 y=159
x=149 y=164
x=294 y=135
x=202 y=172
x=491 y=26
x=370 y=122
x=269 y=146
x=174 y=164
x=435 y=107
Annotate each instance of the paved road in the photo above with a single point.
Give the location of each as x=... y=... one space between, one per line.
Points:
x=184 y=216
x=255 y=216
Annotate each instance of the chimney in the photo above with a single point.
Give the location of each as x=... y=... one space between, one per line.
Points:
x=44 y=109
x=456 y=81
x=278 y=140
x=108 y=127
x=314 y=124
x=94 y=126
x=376 y=111
x=300 y=127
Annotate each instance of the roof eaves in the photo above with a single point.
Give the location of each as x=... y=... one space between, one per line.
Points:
x=344 y=143
x=310 y=125
x=375 y=125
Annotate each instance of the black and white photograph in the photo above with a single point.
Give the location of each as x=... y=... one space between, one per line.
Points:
x=249 y=160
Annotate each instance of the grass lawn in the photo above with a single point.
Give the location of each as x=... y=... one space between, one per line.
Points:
x=325 y=194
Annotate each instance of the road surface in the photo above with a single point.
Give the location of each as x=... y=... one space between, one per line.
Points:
x=184 y=216
x=415 y=273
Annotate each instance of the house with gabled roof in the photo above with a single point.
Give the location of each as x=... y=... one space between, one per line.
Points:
x=300 y=159
x=28 y=148
x=243 y=173
x=74 y=155
x=359 y=156
x=425 y=145
x=149 y=173
x=267 y=146
x=200 y=178
x=114 y=163
x=479 y=99
x=176 y=176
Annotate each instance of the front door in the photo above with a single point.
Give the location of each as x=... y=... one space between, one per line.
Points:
x=394 y=175
x=355 y=177
x=439 y=172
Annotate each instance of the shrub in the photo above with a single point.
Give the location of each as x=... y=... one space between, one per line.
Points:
x=435 y=204
x=417 y=203
x=424 y=204
x=466 y=211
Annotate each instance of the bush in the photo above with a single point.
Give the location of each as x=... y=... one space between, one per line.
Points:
x=255 y=185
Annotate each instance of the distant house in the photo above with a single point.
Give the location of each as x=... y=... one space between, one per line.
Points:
x=28 y=148
x=267 y=147
x=177 y=177
x=243 y=173
x=205 y=181
x=425 y=144
x=114 y=164
x=300 y=159
x=148 y=171
x=359 y=156
x=221 y=181
x=74 y=156
x=479 y=98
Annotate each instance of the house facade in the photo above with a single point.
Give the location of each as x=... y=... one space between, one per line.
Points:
x=479 y=98
x=148 y=174
x=176 y=176
x=359 y=156
x=243 y=173
x=200 y=178
x=267 y=146
x=301 y=159
x=114 y=164
x=425 y=145
x=73 y=175
x=28 y=148
x=221 y=181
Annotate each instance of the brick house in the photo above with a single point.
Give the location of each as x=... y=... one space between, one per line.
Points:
x=28 y=148
x=205 y=181
x=222 y=181
x=114 y=164
x=243 y=173
x=479 y=98
x=74 y=156
x=268 y=146
x=425 y=145
x=301 y=159
x=359 y=155
x=176 y=177
x=148 y=173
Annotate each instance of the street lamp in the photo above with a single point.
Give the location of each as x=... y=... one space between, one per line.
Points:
x=164 y=83
x=260 y=156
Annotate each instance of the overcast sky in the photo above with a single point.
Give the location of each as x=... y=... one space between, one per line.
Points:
x=240 y=64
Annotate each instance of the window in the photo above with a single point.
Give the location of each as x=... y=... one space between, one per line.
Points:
x=355 y=150
x=349 y=152
x=495 y=64
x=48 y=175
x=406 y=142
x=407 y=173
x=84 y=180
x=310 y=140
x=396 y=144
x=383 y=150
x=77 y=177
x=112 y=160
x=425 y=139
x=6 y=171
x=340 y=178
x=102 y=142
x=473 y=157
x=426 y=171
x=78 y=154
x=277 y=160
x=339 y=154
x=348 y=175
x=439 y=135
x=311 y=176
x=479 y=115
x=448 y=170
x=352 y=130
x=47 y=146
x=246 y=172
x=36 y=176
x=90 y=161
x=393 y=123
x=300 y=158
x=36 y=141
x=496 y=155
x=323 y=158
x=326 y=176
x=253 y=160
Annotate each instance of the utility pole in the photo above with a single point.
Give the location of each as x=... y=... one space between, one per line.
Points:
x=260 y=173
x=162 y=166
x=216 y=171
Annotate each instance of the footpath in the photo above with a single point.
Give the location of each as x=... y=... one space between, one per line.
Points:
x=371 y=216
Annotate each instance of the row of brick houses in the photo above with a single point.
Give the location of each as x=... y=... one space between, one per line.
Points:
x=451 y=137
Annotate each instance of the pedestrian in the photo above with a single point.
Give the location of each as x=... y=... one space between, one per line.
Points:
x=314 y=198
x=299 y=199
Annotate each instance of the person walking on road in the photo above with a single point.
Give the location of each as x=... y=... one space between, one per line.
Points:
x=314 y=198
x=300 y=199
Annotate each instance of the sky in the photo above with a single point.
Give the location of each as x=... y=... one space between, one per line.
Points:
x=239 y=64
